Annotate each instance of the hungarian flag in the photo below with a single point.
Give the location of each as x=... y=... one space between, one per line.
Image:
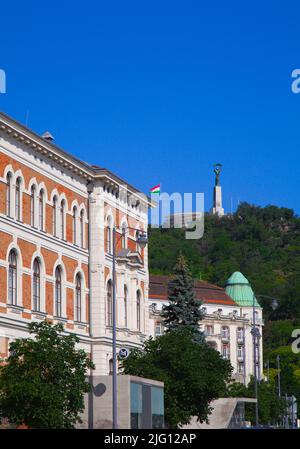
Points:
x=155 y=189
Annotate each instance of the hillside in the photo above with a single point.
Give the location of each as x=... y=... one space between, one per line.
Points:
x=261 y=242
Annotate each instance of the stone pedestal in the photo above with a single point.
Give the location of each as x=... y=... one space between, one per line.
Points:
x=217 y=202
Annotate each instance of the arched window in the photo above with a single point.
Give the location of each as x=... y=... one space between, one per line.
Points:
x=8 y=194
x=75 y=225
x=138 y=310
x=36 y=291
x=111 y=366
x=54 y=216
x=41 y=210
x=58 y=292
x=82 y=229
x=125 y=306
x=32 y=205
x=12 y=278
x=62 y=219
x=109 y=304
x=124 y=240
x=18 y=199
x=78 y=297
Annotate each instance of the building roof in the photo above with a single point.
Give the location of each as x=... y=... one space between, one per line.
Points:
x=48 y=149
x=205 y=292
x=239 y=289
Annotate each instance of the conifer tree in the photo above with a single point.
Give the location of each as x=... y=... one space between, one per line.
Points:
x=183 y=308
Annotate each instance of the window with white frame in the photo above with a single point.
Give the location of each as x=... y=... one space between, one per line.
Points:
x=12 y=277
x=158 y=328
x=78 y=297
x=110 y=367
x=74 y=225
x=58 y=292
x=18 y=199
x=240 y=334
x=8 y=194
x=240 y=352
x=125 y=306
x=41 y=210
x=209 y=329
x=240 y=368
x=226 y=351
x=36 y=290
x=62 y=219
x=109 y=304
x=81 y=230
x=54 y=216
x=225 y=332
x=32 y=205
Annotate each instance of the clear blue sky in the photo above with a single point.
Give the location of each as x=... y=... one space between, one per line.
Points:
x=158 y=91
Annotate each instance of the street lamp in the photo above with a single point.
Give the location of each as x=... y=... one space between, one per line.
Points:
x=142 y=240
x=256 y=336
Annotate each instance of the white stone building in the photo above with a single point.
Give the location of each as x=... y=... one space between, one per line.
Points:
x=56 y=219
x=227 y=325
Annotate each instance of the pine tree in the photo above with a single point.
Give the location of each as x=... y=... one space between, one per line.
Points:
x=183 y=308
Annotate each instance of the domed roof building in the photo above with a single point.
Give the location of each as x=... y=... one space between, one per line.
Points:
x=239 y=289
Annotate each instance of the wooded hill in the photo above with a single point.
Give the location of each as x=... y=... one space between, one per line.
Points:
x=261 y=242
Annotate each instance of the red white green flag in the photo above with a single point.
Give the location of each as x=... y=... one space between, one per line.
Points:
x=155 y=189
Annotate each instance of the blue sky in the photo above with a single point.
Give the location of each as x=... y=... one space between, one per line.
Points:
x=159 y=91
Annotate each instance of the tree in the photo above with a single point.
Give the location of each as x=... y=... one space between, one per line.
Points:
x=261 y=242
x=43 y=380
x=270 y=406
x=193 y=374
x=183 y=308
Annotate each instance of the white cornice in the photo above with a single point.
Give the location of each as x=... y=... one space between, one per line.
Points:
x=65 y=160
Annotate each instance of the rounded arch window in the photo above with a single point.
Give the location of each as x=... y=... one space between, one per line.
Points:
x=12 y=277
x=58 y=292
x=74 y=225
x=109 y=304
x=41 y=209
x=8 y=194
x=125 y=306
x=18 y=199
x=36 y=291
x=78 y=297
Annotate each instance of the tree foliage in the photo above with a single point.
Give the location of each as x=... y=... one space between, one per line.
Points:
x=183 y=309
x=261 y=242
x=270 y=406
x=193 y=373
x=43 y=381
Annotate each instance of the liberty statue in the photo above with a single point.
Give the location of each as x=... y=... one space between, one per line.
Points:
x=217 y=171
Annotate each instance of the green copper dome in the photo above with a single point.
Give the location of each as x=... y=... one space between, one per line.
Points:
x=239 y=289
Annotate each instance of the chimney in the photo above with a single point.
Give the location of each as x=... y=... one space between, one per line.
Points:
x=47 y=136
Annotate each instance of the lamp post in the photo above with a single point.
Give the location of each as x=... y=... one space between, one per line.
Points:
x=142 y=240
x=256 y=336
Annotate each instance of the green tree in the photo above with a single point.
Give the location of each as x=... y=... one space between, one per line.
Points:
x=183 y=309
x=270 y=406
x=43 y=381
x=193 y=374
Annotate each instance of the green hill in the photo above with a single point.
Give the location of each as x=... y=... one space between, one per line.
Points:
x=261 y=242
